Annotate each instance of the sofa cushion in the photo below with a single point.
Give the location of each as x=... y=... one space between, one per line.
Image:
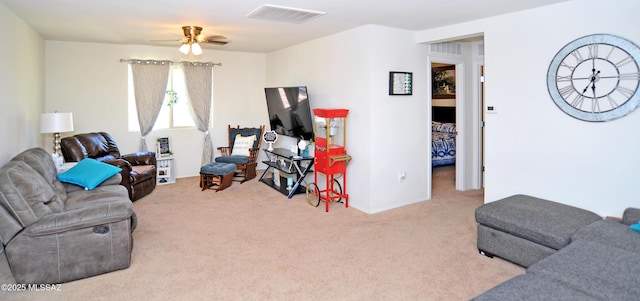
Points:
x=606 y=272
x=612 y=233
x=631 y=216
x=542 y=221
x=101 y=194
x=89 y=173
x=41 y=161
x=532 y=287
x=25 y=194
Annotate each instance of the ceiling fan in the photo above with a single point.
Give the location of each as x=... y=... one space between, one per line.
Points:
x=193 y=38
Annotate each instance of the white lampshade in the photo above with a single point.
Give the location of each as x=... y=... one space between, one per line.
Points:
x=56 y=122
x=184 y=48
x=196 y=49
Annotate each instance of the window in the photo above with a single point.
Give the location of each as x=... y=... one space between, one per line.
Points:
x=172 y=115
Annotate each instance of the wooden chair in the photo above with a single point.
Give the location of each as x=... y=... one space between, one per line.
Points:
x=243 y=150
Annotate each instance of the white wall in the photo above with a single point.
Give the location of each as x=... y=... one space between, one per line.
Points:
x=385 y=133
x=531 y=146
x=89 y=80
x=22 y=85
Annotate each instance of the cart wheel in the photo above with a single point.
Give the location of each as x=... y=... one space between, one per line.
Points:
x=338 y=188
x=313 y=195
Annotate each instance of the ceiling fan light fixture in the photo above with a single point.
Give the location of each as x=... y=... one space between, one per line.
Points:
x=185 y=48
x=196 y=49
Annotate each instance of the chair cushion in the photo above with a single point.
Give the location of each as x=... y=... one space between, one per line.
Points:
x=218 y=168
x=242 y=145
x=233 y=159
x=89 y=173
x=140 y=169
x=246 y=132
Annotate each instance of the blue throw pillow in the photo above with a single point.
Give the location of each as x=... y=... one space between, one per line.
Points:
x=635 y=227
x=89 y=173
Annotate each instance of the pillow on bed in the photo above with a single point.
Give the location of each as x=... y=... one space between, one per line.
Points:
x=435 y=126
x=443 y=127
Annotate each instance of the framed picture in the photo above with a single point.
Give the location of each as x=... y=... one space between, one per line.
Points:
x=400 y=83
x=443 y=82
x=162 y=147
x=164 y=172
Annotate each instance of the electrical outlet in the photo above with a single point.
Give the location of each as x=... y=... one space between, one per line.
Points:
x=402 y=176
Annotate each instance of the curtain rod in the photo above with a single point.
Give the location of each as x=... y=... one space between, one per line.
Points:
x=168 y=62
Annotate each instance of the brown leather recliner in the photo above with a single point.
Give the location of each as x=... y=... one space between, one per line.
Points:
x=138 y=169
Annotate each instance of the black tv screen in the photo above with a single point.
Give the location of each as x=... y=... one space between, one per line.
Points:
x=289 y=111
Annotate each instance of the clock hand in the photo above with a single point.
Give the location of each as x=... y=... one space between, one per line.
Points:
x=592 y=82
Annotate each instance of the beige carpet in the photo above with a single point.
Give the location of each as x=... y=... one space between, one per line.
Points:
x=249 y=242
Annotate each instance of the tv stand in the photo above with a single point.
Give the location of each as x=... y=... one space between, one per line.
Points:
x=286 y=164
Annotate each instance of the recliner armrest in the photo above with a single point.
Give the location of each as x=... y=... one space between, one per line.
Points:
x=124 y=164
x=94 y=215
x=125 y=173
x=141 y=158
x=631 y=216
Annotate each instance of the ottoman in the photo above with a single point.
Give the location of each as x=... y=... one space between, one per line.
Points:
x=524 y=229
x=218 y=174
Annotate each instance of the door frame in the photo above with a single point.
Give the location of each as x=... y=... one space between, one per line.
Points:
x=460 y=178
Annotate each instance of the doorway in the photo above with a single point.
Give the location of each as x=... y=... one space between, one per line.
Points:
x=443 y=115
x=468 y=59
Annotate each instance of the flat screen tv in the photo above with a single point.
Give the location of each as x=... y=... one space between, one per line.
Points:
x=289 y=111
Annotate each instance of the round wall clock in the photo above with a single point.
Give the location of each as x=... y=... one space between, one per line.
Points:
x=596 y=77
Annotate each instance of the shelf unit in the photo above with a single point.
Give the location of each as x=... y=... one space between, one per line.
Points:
x=165 y=170
x=287 y=165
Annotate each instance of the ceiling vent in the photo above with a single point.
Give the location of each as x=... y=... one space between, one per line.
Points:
x=447 y=48
x=283 y=14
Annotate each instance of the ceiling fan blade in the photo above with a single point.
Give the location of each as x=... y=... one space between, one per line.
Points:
x=219 y=40
x=174 y=40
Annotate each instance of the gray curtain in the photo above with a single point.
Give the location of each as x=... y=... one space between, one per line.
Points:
x=199 y=78
x=149 y=85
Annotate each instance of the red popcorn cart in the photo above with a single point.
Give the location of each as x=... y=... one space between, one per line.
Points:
x=331 y=158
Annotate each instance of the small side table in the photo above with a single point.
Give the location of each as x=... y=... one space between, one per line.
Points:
x=165 y=170
x=65 y=166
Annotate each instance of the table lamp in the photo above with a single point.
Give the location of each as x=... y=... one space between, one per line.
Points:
x=56 y=123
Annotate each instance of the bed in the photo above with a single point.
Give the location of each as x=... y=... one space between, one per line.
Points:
x=443 y=143
x=443 y=136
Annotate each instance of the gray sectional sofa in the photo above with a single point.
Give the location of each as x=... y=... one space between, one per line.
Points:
x=53 y=232
x=569 y=254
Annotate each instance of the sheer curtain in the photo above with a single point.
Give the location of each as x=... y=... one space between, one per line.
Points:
x=149 y=85
x=199 y=80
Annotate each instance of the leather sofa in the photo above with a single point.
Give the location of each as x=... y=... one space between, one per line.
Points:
x=138 y=169
x=53 y=232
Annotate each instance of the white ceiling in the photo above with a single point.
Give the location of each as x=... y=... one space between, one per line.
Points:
x=142 y=22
